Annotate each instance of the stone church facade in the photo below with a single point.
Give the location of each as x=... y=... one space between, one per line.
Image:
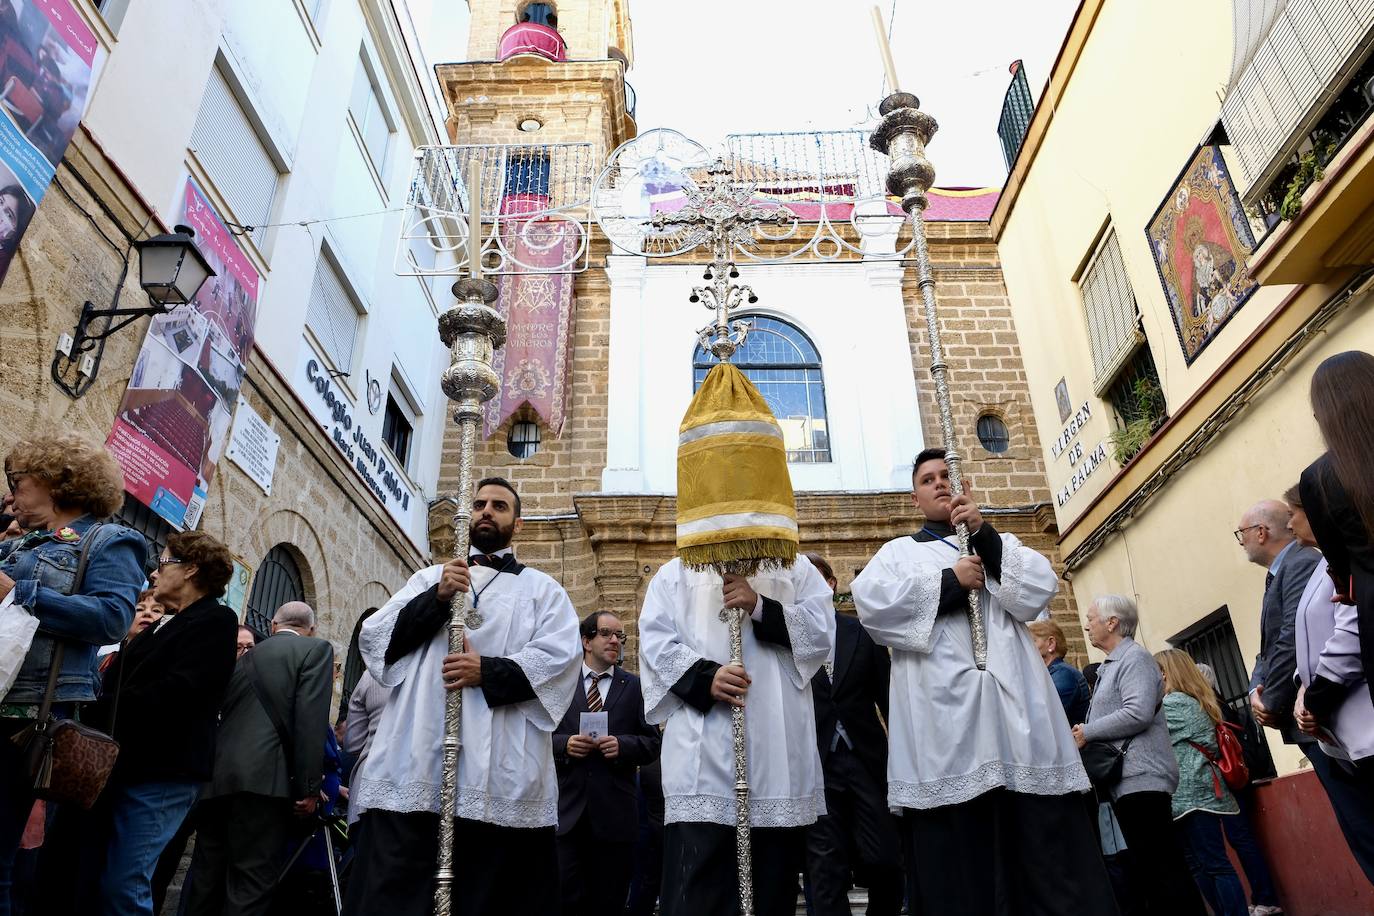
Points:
x=598 y=500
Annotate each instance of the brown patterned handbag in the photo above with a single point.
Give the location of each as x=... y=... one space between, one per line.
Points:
x=69 y=762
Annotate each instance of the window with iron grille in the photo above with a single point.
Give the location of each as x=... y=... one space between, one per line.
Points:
x=1212 y=641
x=786 y=368
x=1110 y=311
x=1135 y=392
x=365 y=105
x=332 y=314
x=154 y=528
x=993 y=434
x=1017 y=110
x=277 y=580
x=523 y=439
x=234 y=155
x=397 y=430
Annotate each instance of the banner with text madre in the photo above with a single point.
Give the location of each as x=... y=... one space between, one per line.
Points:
x=46 y=56
x=174 y=420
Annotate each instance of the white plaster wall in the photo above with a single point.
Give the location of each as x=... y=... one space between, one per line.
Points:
x=853 y=313
x=298 y=75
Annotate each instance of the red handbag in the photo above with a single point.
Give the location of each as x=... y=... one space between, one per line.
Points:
x=1228 y=764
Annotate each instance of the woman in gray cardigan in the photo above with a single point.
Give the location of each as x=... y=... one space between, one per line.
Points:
x=1127 y=707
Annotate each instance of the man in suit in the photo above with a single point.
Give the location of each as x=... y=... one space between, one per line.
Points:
x=598 y=811
x=858 y=833
x=1263 y=534
x=268 y=765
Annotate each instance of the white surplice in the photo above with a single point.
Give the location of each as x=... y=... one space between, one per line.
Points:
x=956 y=732
x=505 y=767
x=680 y=625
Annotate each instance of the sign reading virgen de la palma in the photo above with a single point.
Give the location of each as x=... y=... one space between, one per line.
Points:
x=1083 y=467
x=369 y=460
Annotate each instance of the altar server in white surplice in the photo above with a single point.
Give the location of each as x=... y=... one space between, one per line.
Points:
x=689 y=687
x=517 y=675
x=982 y=765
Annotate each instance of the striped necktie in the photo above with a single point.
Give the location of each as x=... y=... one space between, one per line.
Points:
x=594 y=693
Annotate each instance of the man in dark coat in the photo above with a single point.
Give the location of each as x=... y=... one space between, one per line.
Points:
x=858 y=834
x=598 y=811
x=268 y=765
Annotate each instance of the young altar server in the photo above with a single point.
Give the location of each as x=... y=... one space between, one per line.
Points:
x=982 y=765
x=735 y=512
x=517 y=675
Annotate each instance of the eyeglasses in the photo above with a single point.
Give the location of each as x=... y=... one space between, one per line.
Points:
x=1240 y=532
x=168 y=561
x=607 y=633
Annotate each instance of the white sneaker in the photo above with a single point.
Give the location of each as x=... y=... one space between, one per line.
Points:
x=1266 y=911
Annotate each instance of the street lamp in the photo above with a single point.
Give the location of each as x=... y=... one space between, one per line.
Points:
x=171 y=270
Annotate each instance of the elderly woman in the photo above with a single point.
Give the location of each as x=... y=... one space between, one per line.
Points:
x=165 y=691
x=62 y=486
x=1127 y=711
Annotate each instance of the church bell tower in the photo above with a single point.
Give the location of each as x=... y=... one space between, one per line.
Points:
x=542 y=73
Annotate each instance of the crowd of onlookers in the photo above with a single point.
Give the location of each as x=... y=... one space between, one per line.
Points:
x=227 y=737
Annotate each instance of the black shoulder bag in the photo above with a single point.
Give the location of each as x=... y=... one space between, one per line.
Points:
x=1104 y=761
x=274 y=716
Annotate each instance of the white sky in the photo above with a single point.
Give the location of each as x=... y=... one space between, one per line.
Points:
x=708 y=68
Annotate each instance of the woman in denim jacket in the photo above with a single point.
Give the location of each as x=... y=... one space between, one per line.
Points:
x=61 y=486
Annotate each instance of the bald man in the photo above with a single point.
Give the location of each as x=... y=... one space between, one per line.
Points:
x=269 y=757
x=1264 y=536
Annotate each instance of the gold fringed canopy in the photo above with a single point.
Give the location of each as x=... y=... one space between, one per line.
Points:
x=734 y=496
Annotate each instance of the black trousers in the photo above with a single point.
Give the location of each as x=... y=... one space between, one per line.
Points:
x=1005 y=854
x=240 y=839
x=858 y=838
x=700 y=874
x=593 y=874
x=1351 y=791
x=1163 y=882
x=500 y=871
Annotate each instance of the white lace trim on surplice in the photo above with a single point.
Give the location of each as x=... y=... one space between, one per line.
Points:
x=954 y=790
x=673 y=663
x=1013 y=579
x=472 y=804
x=926 y=608
x=763 y=812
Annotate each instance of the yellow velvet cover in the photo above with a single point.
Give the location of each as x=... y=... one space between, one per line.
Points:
x=734 y=494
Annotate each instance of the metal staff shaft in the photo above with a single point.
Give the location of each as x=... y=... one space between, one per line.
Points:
x=473 y=331
x=744 y=854
x=903 y=134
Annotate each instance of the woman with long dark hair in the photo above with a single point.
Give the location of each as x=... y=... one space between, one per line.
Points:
x=1337 y=493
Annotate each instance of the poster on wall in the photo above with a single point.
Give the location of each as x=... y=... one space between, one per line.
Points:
x=173 y=423
x=1200 y=239
x=47 y=54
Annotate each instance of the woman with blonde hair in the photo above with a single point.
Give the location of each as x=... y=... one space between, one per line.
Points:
x=62 y=488
x=1202 y=797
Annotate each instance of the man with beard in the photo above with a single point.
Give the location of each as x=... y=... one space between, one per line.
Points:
x=517 y=672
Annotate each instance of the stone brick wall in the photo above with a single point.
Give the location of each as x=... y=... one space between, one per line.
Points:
x=985 y=369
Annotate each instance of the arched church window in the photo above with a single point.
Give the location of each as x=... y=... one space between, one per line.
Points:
x=277 y=580
x=785 y=366
x=993 y=434
x=540 y=14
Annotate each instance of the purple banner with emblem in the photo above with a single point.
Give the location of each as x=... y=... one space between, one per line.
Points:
x=535 y=362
